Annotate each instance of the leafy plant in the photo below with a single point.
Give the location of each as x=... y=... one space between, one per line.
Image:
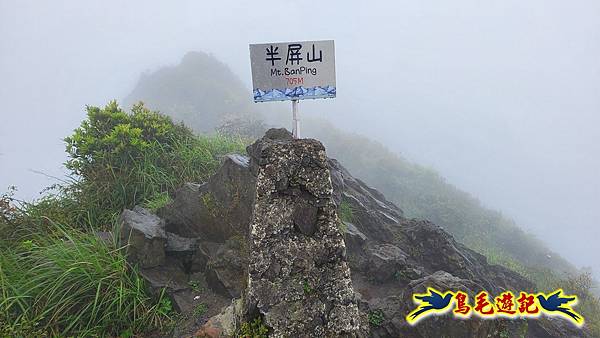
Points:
x=60 y=280
x=376 y=317
x=196 y=286
x=157 y=201
x=342 y=226
x=253 y=329
x=345 y=215
x=200 y=309
x=306 y=288
x=346 y=212
x=164 y=306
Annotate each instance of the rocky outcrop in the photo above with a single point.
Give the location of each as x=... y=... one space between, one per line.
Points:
x=263 y=229
x=299 y=280
x=392 y=257
x=196 y=248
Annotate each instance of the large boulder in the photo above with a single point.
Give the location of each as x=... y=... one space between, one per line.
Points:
x=299 y=279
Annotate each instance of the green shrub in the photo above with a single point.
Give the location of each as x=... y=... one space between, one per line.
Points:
x=307 y=288
x=73 y=284
x=119 y=160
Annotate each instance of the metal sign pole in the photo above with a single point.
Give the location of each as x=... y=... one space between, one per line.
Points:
x=296 y=127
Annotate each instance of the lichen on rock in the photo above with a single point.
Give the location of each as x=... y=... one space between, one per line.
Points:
x=299 y=280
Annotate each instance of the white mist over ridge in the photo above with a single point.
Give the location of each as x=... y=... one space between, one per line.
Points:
x=501 y=98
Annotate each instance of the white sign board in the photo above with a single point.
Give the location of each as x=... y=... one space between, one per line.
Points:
x=293 y=70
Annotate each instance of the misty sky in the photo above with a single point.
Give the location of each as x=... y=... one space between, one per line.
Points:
x=502 y=97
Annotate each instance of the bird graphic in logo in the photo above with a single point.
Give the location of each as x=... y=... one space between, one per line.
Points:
x=431 y=302
x=556 y=304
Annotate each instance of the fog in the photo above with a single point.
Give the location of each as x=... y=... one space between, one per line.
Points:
x=501 y=97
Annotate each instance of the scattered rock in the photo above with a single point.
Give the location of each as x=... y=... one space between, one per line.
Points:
x=145 y=234
x=225 y=323
x=176 y=243
x=226 y=270
x=106 y=237
x=170 y=276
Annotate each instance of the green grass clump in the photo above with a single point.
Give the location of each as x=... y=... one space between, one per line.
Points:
x=196 y=286
x=346 y=212
x=307 y=288
x=73 y=285
x=157 y=201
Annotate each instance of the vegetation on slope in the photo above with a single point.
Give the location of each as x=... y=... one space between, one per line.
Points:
x=57 y=277
x=423 y=193
x=419 y=191
x=72 y=283
x=118 y=160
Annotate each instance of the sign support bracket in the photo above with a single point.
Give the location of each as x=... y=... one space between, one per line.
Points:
x=296 y=126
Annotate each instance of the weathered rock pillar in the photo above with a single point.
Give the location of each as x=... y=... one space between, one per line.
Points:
x=299 y=279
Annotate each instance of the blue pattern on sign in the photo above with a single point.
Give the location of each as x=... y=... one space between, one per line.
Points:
x=296 y=93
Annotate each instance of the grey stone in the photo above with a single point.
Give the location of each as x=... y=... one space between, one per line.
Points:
x=169 y=276
x=178 y=243
x=385 y=260
x=144 y=234
x=226 y=269
x=224 y=324
x=199 y=259
x=106 y=237
x=183 y=300
x=353 y=237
